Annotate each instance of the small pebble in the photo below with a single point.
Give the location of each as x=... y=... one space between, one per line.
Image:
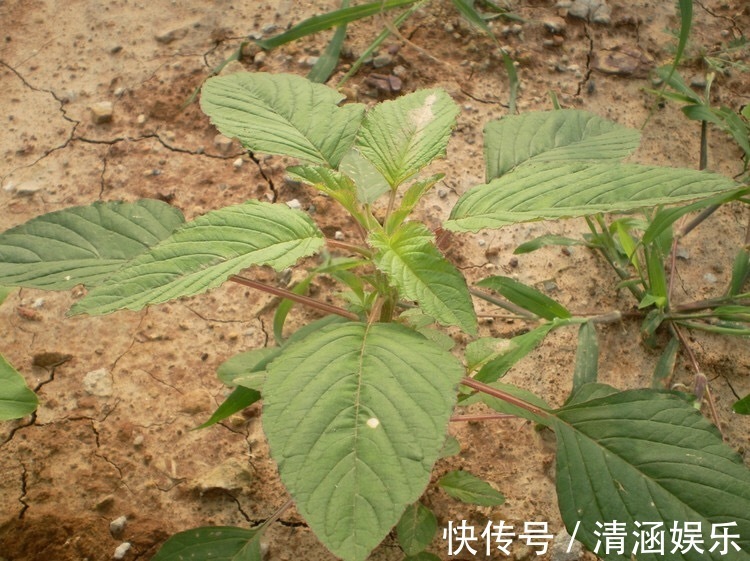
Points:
x=442 y=193
x=101 y=112
x=339 y=235
x=117 y=526
x=138 y=441
x=260 y=58
x=294 y=204
x=223 y=143
x=683 y=253
x=141 y=119
x=238 y=163
x=710 y=277
x=121 y=551
x=382 y=60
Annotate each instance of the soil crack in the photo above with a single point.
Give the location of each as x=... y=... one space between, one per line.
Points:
x=24 y=486
x=584 y=83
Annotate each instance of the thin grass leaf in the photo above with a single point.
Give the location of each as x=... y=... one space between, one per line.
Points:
x=332 y=19
x=665 y=367
x=740 y=272
x=544 y=241
x=527 y=297
x=327 y=62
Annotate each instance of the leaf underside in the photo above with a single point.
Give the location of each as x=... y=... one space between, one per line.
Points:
x=550 y=191
x=554 y=136
x=204 y=253
x=401 y=137
x=355 y=416
x=82 y=245
x=645 y=456
x=16 y=399
x=282 y=114
x=420 y=272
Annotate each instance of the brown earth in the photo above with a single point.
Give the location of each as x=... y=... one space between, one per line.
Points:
x=124 y=446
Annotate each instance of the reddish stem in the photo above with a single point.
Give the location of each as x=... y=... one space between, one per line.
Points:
x=505 y=396
x=299 y=298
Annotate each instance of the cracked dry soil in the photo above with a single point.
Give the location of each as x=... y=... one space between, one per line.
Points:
x=119 y=395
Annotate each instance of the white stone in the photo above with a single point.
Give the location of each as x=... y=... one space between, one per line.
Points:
x=101 y=112
x=294 y=203
x=238 y=163
x=122 y=550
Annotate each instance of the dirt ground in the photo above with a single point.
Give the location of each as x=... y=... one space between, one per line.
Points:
x=120 y=395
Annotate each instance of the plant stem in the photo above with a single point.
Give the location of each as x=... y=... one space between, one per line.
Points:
x=276 y=515
x=505 y=396
x=299 y=298
x=488 y=417
x=363 y=251
x=506 y=305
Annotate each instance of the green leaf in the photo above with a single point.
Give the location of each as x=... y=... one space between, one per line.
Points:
x=518 y=348
x=742 y=406
x=240 y=398
x=587 y=357
x=548 y=191
x=740 y=272
x=369 y=181
x=16 y=399
x=468 y=488
x=543 y=241
x=217 y=543
x=82 y=245
x=525 y=296
x=282 y=114
x=420 y=272
x=554 y=136
x=204 y=253
x=332 y=19
x=416 y=529
x=401 y=137
x=410 y=199
x=327 y=62
x=335 y=184
x=355 y=416
x=665 y=366
x=422 y=556
x=646 y=456
x=245 y=363
x=451 y=447
x=480 y=351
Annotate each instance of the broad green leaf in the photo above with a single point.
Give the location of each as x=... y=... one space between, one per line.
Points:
x=518 y=347
x=742 y=406
x=240 y=398
x=82 y=245
x=401 y=137
x=554 y=136
x=468 y=488
x=527 y=297
x=217 y=543
x=645 y=456
x=587 y=392
x=16 y=399
x=369 y=181
x=543 y=241
x=422 y=556
x=587 y=357
x=548 y=191
x=204 y=253
x=416 y=529
x=355 y=416
x=282 y=114
x=332 y=19
x=420 y=272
